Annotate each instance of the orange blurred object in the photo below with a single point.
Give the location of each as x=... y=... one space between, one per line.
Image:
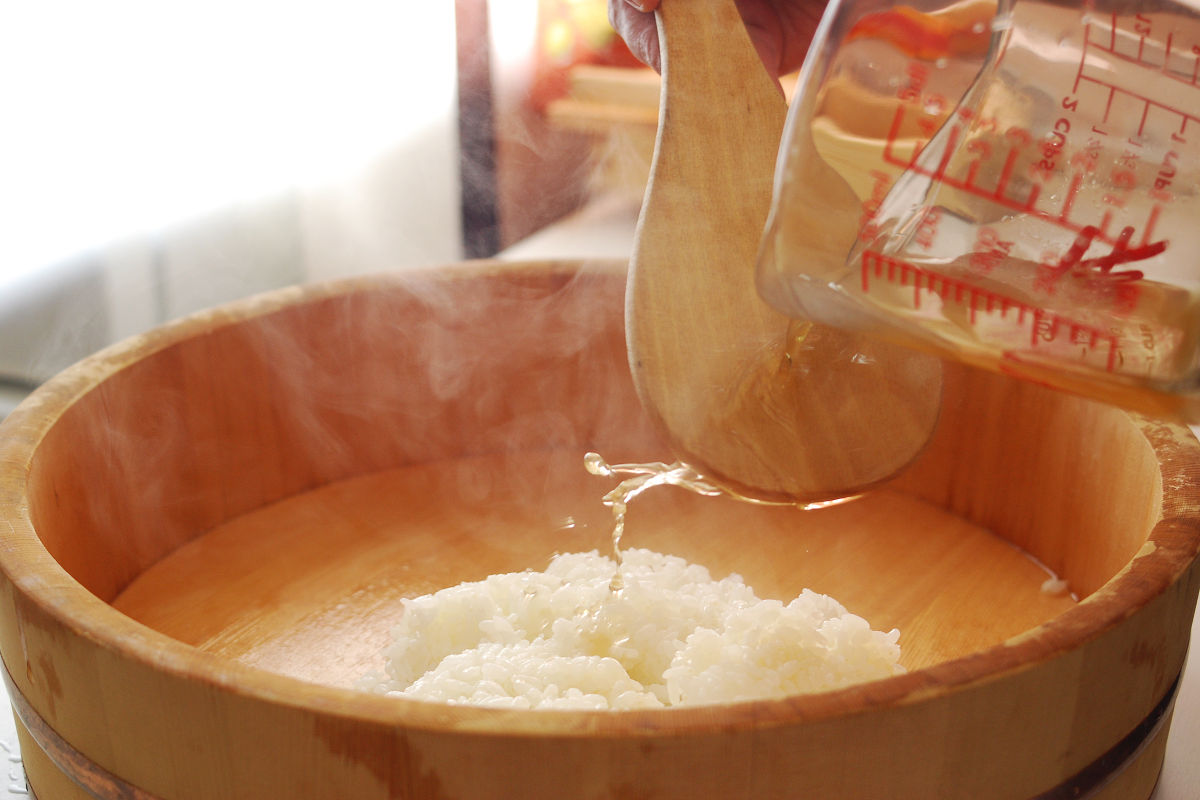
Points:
x=929 y=36
x=569 y=33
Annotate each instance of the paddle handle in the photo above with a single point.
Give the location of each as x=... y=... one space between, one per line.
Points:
x=694 y=318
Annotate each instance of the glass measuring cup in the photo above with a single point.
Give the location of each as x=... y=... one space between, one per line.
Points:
x=1013 y=184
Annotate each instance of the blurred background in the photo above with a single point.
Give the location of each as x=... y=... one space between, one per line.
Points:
x=161 y=158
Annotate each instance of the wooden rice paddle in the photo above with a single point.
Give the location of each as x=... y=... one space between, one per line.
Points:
x=774 y=409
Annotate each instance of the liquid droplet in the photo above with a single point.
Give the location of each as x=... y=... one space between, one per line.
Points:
x=656 y=473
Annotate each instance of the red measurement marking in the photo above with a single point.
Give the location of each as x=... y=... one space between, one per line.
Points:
x=1069 y=198
x=972 y=173
x=1151 y=221
x=1006 y=173
x=1121 y=253
x=1097 y=273
x=996 y=194
x=1162 y=69
x=1034 y=192
x=1046 y=325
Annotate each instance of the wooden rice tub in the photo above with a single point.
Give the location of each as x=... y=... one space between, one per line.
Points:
x=205 y=532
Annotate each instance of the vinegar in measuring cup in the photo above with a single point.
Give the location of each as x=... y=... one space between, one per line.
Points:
x=1013 y=185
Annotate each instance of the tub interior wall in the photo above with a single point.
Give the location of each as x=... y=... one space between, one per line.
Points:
x=218 y=424
x=1073 y=482
x=245 y=414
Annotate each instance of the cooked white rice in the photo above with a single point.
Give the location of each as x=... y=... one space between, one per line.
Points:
x=671 y=636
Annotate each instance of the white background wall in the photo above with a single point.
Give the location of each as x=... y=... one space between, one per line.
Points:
x=157 y=158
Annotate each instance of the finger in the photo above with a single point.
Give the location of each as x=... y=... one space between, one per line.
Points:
x=781 y=30
x=638 y=29
x=799 y=22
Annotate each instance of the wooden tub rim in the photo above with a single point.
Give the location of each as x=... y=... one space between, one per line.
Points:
x=1169 y=551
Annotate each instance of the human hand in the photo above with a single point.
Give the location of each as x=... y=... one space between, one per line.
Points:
x=780 y=29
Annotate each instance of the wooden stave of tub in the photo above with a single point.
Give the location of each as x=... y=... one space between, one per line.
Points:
x=1079 y=704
